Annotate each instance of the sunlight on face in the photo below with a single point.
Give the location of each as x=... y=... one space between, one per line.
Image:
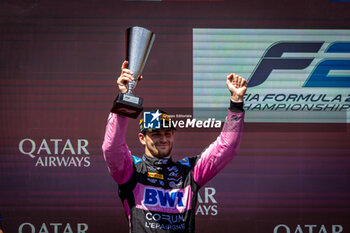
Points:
x=158 y=143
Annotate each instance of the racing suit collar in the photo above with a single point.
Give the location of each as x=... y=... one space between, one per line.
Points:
x=156 y=162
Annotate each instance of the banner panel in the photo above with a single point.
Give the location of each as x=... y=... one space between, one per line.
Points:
x=294 y=75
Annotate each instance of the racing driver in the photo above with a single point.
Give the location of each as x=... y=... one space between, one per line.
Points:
x=159 y=194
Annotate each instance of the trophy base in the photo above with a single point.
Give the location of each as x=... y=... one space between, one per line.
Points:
x=127 y=105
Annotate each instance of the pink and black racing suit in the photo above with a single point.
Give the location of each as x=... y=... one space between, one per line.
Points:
x=160 y=195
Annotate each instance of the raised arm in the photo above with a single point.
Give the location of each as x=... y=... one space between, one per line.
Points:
x=115 y=151
x=225 y=147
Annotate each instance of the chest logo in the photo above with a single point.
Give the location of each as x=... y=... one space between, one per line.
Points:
x=163 y=198
x=155 y=175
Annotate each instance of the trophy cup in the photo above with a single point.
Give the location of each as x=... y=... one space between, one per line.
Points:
x=138 y=46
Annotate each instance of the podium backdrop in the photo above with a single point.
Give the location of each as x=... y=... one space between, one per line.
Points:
x=59 y=61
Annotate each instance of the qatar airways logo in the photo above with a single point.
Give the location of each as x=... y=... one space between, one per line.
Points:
x=308 y=228
x=56 y=152
x=53 y=227
x=207 y=204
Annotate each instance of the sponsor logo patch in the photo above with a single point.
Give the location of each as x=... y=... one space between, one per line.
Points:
x=155 y=175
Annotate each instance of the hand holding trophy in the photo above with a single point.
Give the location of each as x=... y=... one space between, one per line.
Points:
x=126 y=77
x=139 y=42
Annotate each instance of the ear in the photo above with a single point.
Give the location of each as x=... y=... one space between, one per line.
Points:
x=142 y=138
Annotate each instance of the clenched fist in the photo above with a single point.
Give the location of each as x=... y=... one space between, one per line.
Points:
x=237 y=86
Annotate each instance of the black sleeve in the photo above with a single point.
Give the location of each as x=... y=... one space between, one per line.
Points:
x=236 y=106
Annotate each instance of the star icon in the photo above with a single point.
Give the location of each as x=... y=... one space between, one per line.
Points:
x=155 y=115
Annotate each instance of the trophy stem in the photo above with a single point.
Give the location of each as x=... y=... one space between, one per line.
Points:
x=131 y=86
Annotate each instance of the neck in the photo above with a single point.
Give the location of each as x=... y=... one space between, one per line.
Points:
x=152 y=156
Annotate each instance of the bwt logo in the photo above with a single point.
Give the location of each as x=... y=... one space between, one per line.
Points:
x=159 y=197
x=151 y=120
x=273 y=60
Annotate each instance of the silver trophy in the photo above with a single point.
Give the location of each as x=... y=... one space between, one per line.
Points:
x=139 y=42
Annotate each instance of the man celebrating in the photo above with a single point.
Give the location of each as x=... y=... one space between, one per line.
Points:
x=158 y=194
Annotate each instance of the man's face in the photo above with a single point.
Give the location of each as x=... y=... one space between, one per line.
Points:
x=158 y=143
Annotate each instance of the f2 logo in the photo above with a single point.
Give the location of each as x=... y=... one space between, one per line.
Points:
x=320 y=78
x=272 y=60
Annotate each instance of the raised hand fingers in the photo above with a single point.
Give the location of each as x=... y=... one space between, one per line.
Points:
x=236 y=79
x=125 y=68
x=244 y=82
x=229 y=79
x=124 y=78
x=233 y=79
x=241 y=82
x=237 y=86
x=126 y=74
x=125 y=65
